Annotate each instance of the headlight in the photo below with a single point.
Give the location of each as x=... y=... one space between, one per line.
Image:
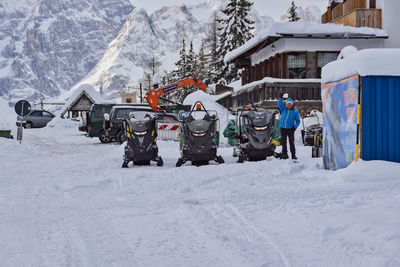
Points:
x=140 y=133
x=261 y=128
x=199 y=134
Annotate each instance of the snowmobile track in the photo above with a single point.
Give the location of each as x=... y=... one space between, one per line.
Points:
x=248 y=228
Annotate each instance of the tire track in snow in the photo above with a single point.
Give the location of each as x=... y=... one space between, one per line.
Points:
x=234 y=212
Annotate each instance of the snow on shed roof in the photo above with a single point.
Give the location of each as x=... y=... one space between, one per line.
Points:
x=73 y=95
x=367 y=62
x=306 y=30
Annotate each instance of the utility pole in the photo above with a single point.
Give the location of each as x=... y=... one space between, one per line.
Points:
x=141 y=90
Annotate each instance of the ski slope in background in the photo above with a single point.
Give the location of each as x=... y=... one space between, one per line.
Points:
x=65 y=201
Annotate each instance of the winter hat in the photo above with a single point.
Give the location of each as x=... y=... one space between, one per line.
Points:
x=289 y=101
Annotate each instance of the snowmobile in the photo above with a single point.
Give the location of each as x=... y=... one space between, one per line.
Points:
x=199 y=136
x=254 y=134
x=312 y=132
x=141 y=135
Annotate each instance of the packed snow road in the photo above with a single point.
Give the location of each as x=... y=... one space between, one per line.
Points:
x=66 y=201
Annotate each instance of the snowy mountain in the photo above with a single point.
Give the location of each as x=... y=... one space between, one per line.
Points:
x=308 y=14
x=160 y=35
x=48 y=46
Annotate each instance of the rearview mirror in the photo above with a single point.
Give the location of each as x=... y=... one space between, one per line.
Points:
x=106 y=116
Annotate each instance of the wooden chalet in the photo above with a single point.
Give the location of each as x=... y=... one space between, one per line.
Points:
x=289 y=58
x=79 y=105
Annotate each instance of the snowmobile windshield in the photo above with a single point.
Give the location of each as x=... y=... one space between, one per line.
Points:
x=199 y=126
x=198 y=115
x=140 y=125
x=257 y=119
x=140 y=114
x=311 y=121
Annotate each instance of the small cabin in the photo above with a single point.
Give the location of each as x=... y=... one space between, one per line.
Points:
x=361 y=94
x=80 y=105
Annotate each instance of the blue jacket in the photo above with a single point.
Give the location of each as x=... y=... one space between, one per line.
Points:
x=290 y=117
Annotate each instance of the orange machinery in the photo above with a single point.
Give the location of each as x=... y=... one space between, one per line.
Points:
x=153 y=97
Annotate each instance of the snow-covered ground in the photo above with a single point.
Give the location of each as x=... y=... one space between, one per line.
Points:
x=66 y=201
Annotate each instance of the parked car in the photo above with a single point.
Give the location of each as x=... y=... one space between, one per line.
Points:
x=36 y=119
x=112 y=122
x=96 y=117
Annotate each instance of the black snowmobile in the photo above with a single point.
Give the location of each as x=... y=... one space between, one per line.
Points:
x=199 y=136
x=311 y=126
x=255 y=134
x=312 y=133
x=141 y=135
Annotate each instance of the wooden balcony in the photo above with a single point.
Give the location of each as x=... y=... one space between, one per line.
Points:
x=350 y=5
x=337 y=11
x=361 y=18
x=266 y=95
x=327 y=16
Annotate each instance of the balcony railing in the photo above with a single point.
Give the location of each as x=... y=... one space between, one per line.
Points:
x=362 y=18
x=337 y=11
x=267 y=95
x=350 y=5
x=353 y=13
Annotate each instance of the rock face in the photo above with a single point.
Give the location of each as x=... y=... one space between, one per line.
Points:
x=160 y=35
x=47 y=46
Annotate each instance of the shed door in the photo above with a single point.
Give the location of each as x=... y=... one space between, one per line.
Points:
x=380 y=118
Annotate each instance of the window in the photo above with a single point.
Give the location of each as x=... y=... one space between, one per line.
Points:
x=296 y=64
x=325 y=58
x=47 y=114
x=36 y=114
x=123 y=113
x=98 y=112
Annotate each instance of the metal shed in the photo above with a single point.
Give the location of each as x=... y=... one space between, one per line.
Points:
x=380 y=113
x=361 y=108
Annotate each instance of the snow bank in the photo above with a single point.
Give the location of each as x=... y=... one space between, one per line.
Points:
x=282 y=29
x=8 y=116
x=60 y=123
x=367 y=62
x=209 y=101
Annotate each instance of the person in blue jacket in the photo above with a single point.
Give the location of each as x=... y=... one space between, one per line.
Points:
x=289 y=123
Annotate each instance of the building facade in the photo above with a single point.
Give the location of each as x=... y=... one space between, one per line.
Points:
x=289 y=58
x=381 y=14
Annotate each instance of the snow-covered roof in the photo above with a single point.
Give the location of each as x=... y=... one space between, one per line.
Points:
x=306 y=30
x=274 y=80
x=239 y=89
x=73 y=95
x=367 y=62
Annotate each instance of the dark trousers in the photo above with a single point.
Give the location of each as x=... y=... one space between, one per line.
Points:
x=285 y=133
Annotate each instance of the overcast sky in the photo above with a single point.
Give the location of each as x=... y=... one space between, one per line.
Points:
x=272 y=8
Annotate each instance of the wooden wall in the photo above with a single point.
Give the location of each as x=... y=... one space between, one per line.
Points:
x=362 y=18
x=350 y=5
x=337 y=11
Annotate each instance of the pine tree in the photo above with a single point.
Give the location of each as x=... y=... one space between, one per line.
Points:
x=214 y=60
x=202 y=66
x=236 y=30
x=190 y=62
x=293 y=16
x=151 y=67
x=181 y=68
